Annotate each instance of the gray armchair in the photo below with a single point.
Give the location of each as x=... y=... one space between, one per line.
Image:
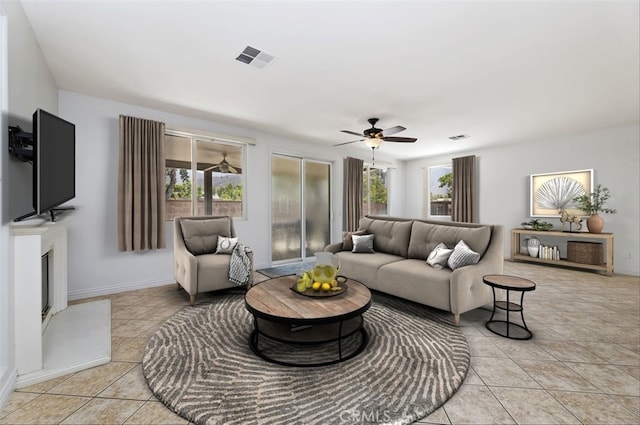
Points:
x=197 y=267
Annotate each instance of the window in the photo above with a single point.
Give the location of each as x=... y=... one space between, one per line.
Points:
x=374 y=191
x=217 y=188
x=438 y=180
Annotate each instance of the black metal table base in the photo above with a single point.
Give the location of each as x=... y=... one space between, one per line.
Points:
x=256 y=334
x=506 y=328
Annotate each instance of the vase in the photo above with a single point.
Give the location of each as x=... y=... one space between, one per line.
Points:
x=533 y=246
x=595 y=223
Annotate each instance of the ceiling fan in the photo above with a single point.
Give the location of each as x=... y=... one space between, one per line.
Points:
x=373 y=137
x=225 y=167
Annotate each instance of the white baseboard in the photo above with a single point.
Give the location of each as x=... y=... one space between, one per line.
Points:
x=122 y=287
x=7 y=385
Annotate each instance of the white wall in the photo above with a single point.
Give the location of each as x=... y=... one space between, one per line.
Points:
x=26 y=84
x=504 y=171
x=31 y=86
x=95 y=265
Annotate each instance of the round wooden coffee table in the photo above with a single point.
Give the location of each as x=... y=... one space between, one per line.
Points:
x=506 y=328
x=283 y=315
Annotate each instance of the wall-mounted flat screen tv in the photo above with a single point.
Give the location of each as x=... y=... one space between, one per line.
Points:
x=51 y=150
x=54 y=161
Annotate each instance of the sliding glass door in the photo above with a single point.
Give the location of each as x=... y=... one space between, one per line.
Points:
x=300 y=207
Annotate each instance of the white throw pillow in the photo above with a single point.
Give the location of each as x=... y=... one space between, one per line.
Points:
x=462 y=255
x=226 y=245
x=439 y=256
x=362 y=244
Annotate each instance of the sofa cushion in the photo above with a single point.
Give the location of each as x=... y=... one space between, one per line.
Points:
x=363 y=244
x=462 y=256
x=347 y=240
x=425 y=237
x=201 y=236
x=364 y=268
x=439 y=256
x=392 y=237
x=414 y=280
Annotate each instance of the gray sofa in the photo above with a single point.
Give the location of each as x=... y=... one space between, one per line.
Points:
x=398 y=266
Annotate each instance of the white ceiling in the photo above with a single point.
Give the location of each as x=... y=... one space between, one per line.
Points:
x=501 y=72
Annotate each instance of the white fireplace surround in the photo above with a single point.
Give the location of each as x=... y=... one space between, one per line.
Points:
x=69 y=338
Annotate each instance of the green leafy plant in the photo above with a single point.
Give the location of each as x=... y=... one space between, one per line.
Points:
x=594 y=202
x=537 y=225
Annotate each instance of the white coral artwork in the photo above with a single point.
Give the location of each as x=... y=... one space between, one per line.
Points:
x=558 y=193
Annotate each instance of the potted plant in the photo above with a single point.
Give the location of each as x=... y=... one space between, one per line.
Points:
x=593 y=204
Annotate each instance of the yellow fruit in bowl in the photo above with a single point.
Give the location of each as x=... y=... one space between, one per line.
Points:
x=334 y=283
x=326 y=287
x=301 y=286
x=316 y=286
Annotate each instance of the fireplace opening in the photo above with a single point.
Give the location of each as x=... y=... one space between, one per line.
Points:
x=45 y=285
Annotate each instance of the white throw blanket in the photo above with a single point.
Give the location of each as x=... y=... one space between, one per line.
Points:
x=240 y=267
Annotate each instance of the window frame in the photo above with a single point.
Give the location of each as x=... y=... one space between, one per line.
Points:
x=366 y=183
x=427 y=204
x=194 y=138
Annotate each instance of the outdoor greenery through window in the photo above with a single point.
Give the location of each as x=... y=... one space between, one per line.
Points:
x=217 y=186
x=374 y=191
x=439 y=181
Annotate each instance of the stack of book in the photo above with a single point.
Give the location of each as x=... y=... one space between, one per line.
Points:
x=549 y=252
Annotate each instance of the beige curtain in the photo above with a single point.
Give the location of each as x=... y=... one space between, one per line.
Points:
x=352 y=193
x=464 y=194
x=141 y=185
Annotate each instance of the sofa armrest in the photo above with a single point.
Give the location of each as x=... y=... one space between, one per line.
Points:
x=334 y=247
x=467 y=291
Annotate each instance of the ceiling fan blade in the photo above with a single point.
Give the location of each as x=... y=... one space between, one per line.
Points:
x=351 y=132
x=346 y=143
x=235 y=170
x=393 y=130
x=399 y=139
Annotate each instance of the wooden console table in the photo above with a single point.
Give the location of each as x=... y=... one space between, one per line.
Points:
x=607 y=238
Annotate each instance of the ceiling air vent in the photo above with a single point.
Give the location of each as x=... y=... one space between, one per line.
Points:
x=459 y=137
x=252 y=56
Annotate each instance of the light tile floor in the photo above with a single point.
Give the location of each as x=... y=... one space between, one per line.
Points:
x=581 y=366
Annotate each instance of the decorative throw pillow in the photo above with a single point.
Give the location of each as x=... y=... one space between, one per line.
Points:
x=362 y=244
x=462 y=255
x=226 y=245
x=439 y=256
x=347 y=241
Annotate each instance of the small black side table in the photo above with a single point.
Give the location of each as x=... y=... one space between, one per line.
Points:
x=507 y=328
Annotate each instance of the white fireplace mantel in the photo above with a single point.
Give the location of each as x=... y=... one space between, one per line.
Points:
x=68 y=339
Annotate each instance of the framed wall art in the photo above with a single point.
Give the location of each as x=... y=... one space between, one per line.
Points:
x=554 y=192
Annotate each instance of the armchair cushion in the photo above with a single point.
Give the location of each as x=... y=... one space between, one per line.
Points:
x=201 y=236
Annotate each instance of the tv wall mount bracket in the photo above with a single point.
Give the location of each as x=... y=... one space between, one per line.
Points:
x=20 y=144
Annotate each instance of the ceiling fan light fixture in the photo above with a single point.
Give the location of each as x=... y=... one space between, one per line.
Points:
x=373 y=142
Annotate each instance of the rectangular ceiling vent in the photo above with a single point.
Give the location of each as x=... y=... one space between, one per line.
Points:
x=459 y=137
x=252 y=56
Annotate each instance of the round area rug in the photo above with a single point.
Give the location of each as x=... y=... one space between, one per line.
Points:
x=199 y=364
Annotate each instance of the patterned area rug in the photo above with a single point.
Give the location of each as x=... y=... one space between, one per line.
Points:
x=200 y=365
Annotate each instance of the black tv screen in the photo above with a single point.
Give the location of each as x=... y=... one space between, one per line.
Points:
x=54 y=161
